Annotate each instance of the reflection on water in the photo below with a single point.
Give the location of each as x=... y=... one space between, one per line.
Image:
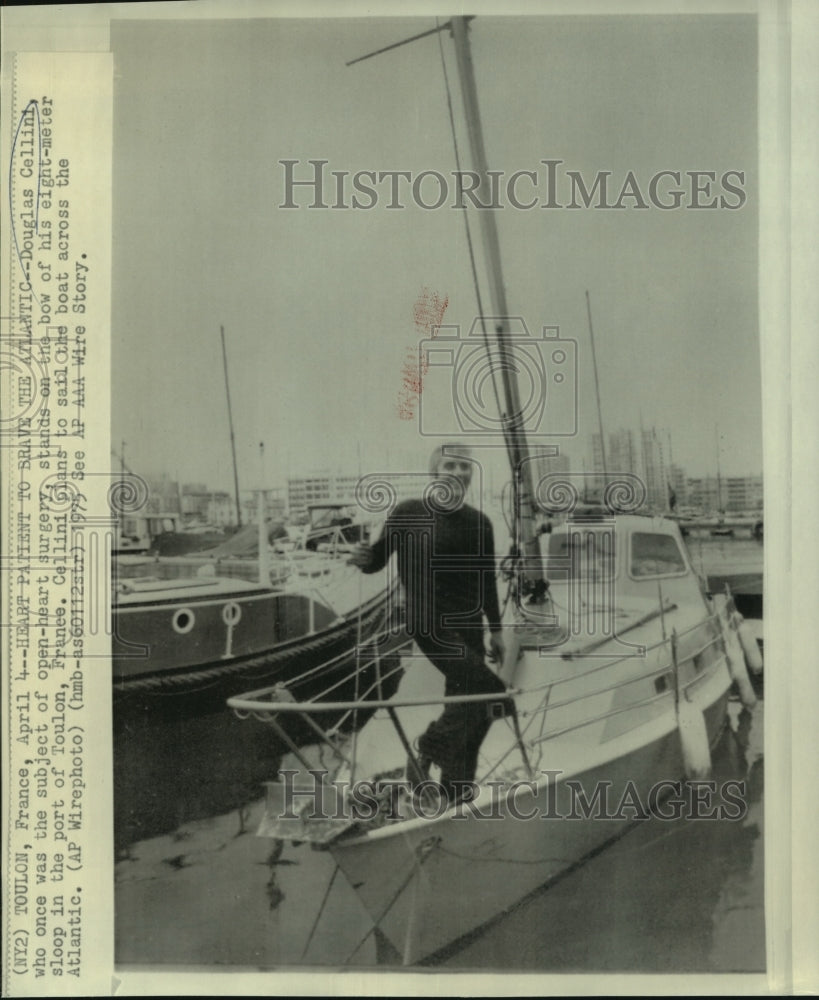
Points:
x=195 y=886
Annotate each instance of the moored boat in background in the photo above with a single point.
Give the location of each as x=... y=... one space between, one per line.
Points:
x=187 y=640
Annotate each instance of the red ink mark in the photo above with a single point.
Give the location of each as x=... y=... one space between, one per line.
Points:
x=427 y=312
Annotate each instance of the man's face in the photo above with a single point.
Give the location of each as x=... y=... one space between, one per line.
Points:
x=460 y=468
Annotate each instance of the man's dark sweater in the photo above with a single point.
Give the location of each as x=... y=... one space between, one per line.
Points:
x=446 y=563
x=448 y=555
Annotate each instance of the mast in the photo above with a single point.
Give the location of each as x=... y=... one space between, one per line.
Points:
x=512 y=418
x=597 y=391
x=264 y=552
x=644 y=456
x=719 y=476
x=670 y=476
x=232 y=436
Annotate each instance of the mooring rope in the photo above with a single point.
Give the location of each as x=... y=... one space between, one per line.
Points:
x=320 y=911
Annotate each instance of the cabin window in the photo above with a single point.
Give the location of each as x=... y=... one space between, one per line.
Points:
x=655 y=555
x=580 y=554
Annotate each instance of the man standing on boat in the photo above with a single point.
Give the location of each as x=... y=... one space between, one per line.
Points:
x=446 y=562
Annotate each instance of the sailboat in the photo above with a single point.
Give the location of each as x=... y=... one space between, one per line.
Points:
x=619 y=665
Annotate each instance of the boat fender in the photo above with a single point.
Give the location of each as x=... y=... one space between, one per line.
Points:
x=514 y=652
x=739 y=675
x=696 y=751
x=750 y=649
x=735 y=659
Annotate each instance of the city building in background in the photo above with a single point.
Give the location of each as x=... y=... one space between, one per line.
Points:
x=319 y=487
x=732 y=494
x=679 y=487
x=648 y=454
x=742 y=493
x=197 y=504
x=656 y=454
x=163 y=496
x=623 y=454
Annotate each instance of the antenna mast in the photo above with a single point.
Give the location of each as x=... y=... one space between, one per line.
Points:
x=597 y=391
x=719 y=475
x=232 y=436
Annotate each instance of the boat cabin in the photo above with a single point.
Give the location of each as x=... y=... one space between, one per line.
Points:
x=136 y=532
x=635 y=555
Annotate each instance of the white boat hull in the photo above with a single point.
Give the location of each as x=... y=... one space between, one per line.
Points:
x=620 y=690
x=427 y=883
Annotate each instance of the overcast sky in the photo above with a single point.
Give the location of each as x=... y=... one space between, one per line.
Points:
x=319 y=306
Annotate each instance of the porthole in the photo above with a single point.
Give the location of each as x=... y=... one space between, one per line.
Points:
x=183 y=620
